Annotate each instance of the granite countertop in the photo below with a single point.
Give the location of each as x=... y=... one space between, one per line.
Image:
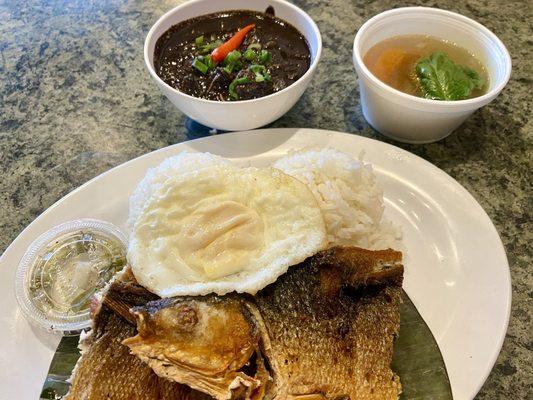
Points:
x=76 y=100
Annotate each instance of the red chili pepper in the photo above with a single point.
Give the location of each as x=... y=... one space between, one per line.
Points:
x=231 y=44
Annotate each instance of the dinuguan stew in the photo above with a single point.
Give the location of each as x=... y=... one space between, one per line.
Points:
x=232 y=55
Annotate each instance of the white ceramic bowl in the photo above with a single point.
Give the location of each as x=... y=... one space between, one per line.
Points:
x=413 y=119
x=236 y=115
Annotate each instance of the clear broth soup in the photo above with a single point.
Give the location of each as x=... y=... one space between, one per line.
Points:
x=393 y=61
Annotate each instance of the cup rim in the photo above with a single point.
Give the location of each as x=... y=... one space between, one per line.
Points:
x=312 y=67
x=487 y=97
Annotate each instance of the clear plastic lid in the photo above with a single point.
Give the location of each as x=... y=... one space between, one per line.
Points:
x=63 y=268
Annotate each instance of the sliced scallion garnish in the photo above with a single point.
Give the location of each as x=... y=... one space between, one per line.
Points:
x=209 y=62
x=200 y=66
x=237 y=81
x=249 y=55
x=260 y=72
x=208 y=47
x=265 y=56
x=254 y=46
x=199 y=40
x=232 y=62
x=255 y=68
x=228 y=68
x=233 y=56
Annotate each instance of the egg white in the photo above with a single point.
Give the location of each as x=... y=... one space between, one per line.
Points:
x=222 y=229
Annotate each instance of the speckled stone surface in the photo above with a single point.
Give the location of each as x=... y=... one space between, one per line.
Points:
x=75 y=100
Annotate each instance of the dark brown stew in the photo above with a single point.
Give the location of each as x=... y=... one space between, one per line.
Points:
x=272 y=56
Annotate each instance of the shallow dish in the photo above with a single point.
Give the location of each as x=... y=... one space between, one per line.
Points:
x=456 y=268
x=245 y=114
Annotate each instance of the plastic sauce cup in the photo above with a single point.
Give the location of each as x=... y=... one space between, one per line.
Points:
x=412 y=119
x=63 y=268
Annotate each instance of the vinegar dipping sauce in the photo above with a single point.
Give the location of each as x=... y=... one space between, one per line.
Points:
x=71 y=269
x=393 y=61
x=64 y=268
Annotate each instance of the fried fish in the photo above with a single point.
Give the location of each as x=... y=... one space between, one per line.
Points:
x=106 y=369
x=205 y=342
x=323 y=330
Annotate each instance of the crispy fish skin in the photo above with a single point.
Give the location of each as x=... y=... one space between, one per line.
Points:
x=326 y=326
x=107 y=370
x=329 y=340
x=360 y=267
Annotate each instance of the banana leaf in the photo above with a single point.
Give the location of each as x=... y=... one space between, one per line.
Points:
x=417 y=360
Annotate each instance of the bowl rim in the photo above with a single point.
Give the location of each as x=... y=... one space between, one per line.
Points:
x=487 y=97
x=308 y=73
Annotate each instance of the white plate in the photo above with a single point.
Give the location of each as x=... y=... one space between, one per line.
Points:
x=456 y=268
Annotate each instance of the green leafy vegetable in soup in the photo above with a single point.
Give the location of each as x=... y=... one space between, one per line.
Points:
x=441 y=79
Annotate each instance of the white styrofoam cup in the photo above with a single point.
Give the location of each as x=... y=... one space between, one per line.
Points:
x=412 y=119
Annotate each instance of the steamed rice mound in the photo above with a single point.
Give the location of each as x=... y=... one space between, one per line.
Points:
x=348 y=195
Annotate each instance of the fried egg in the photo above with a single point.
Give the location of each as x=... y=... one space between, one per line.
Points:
x=222 y=229
x=180 y=164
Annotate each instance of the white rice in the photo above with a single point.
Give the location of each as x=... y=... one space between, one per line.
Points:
x=183 y=163
x=349 y=196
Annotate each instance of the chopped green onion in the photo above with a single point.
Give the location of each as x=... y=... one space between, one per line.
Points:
x=233 y=56
x=254 y=46
x=209 y=62
x=228 y=68
x=208 y=47
x=237 y=81
x=257 y=68
x=200 y=66
x=249 y=55
x=260 y=72
x=232 y=66
x=265 y=56
x=232 y=62
x=199 y=40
